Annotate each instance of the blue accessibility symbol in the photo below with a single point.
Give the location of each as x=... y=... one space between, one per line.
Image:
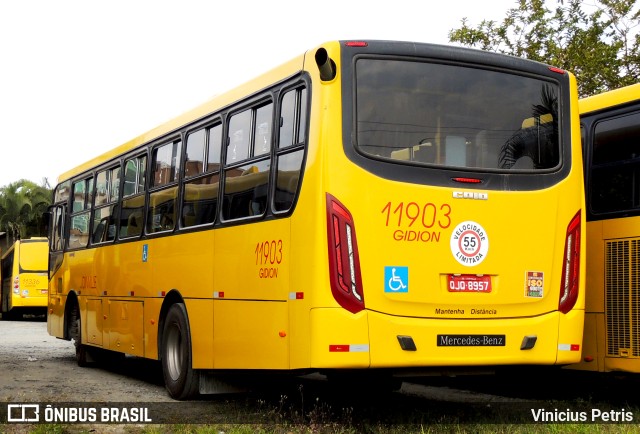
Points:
x=396 y=279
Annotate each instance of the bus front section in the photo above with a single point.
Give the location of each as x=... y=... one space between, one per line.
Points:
x=454 y=199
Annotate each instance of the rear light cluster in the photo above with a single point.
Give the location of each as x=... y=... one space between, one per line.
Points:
x=344 y=263
x=570 y=267
x=16 y=285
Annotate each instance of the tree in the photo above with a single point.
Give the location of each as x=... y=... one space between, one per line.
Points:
x=22 y=205
x=600 y=44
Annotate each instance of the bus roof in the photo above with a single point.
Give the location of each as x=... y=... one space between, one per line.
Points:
x=218 y=102
x=611 y=98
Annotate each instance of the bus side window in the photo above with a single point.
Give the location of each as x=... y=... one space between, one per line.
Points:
x=615 y=164
x=79 y=228
x=290 y=152
x=239 y=136
x=132 y=205
x=161 y=215
x=194 y=156
x=246 y=187
x=105 y=209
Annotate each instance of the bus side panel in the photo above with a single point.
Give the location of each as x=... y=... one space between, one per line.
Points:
x=200 y=314
x=124 y=325
x=93 y=332
x=181 y=262
x=250 y=334
x=184 y=263
x=251 y=290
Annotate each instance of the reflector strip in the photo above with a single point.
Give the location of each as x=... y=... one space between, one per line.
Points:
x=569 y=347
x=354 y=348
x=296 y=295
x=218 y=294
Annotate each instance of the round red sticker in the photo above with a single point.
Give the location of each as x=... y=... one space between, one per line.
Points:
x=469 y=243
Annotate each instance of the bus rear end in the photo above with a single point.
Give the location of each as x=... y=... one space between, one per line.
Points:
x=454 y=195
x=25 y=277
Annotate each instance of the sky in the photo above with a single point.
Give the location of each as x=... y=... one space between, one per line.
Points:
x=80 y=77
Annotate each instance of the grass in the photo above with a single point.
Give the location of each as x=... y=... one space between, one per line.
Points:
x=296 y=409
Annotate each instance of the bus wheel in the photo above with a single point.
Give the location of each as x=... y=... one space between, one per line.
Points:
x=75 y=333
x=180 y=379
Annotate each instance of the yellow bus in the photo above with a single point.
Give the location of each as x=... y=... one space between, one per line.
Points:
x=24 y=278
x=611 y=143
x=369 y=207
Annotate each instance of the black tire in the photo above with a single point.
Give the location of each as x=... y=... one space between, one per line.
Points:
x=83 y=358
x=180 y=379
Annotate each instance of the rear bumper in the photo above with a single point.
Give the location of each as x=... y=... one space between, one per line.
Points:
x=34 y=299
x=370 y=340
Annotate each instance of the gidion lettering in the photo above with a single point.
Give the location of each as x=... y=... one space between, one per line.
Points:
x=419 y=236
x=417 y=222
x=269 y=255
x=268 y=273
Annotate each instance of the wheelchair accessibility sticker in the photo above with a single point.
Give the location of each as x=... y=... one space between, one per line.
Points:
x=396 y=279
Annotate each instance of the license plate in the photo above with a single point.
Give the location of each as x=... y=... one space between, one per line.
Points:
x=469 y=282
x=471 y=340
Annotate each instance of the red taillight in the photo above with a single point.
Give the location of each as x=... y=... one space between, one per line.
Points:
x=356 y=44
x=468 y=180
x=344 y=264
x=570 y=267
x=558 y=70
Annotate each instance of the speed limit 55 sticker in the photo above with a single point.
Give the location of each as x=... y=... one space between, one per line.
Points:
x=469 y=243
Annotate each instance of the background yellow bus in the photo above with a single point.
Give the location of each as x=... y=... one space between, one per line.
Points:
x=369 y=207
x=611 y=141
x=24 y=278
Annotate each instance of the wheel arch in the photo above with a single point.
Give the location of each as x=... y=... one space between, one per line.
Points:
x=170 y=299
x=72 y=300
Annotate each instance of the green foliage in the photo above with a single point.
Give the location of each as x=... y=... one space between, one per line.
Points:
x=22 y=205
x=599 y=43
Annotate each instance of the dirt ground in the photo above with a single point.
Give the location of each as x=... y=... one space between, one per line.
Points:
x=37 y=367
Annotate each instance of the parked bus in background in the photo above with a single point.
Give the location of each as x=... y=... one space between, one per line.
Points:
x=370 y=207
x=611 y=143
x=24 y=278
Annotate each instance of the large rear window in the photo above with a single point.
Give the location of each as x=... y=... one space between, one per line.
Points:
x=419 y=113
x=34 y=256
